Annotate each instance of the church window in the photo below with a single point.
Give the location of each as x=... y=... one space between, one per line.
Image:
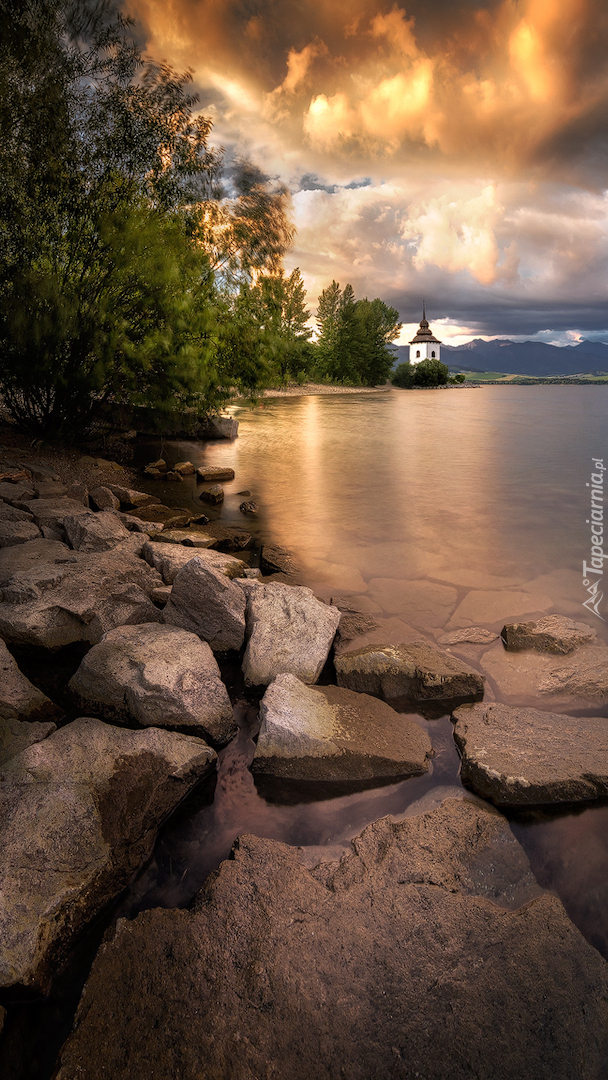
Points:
x=417 y=353
x=433 y=354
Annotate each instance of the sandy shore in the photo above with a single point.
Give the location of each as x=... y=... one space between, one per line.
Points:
x=319 y=388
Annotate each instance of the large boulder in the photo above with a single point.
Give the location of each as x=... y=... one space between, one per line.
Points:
x=157 y=676
x=288 y=630
x=519 y=756
x=326 y=733
x=583 y=676
x=415 y=672
x=19 y=698
x=130 y=497
x=13 y=493
x=104 y=498
x=17 y=735
x=415 y=954
x=209 y=604
x=17 y=532
x=80 y=812
x=52 y=513
x=168 y=559
x=551 y=634
x=169 y=516
x=95 y=532
x=51 y=596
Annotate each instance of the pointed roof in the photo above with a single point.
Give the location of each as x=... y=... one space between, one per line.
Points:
x=424 y=332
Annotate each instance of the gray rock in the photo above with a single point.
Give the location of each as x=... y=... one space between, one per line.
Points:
x=170 y=517
x=277 y=560
x=227 y=538
x=158 y=676
x=51 y=513
x=583 y=677
x=49 y=489
x=11 y=513
x=220 y=427
x=17 y=735
x=51 y=596
x=161 y=595
x=193 y=538
x=552 y=634
x=353 y=621
x=252 y=572
x=19 y=698
x=416 y=672
x=130 y=497
x=135 y=524
x=168 y=559
x=409 y=956
x=79 y=493
x=214 y=474
x=15 y=493
x=325 y=733
x=104 y=499
x=288 y=630
x=516 y=756
x=95 y=532
x=80 y=812
x=213 y=494
x=474 y=635
x=17 y=532
x=209 y=604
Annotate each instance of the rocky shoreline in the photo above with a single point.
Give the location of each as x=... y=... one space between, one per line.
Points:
x=276 y=964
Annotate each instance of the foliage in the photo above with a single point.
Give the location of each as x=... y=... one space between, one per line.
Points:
x=112 y=286
x=354 y=337
x=426 y=373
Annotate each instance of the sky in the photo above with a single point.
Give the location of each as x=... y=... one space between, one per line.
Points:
x=445 y=151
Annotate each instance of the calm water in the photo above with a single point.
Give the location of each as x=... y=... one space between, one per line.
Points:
x=434 y=510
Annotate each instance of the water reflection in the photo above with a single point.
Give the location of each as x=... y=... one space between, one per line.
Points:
x=444 y=509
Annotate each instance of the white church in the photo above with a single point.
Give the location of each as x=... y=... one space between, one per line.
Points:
x=425 y=346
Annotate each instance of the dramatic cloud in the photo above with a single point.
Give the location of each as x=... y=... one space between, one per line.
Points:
x=480 y=132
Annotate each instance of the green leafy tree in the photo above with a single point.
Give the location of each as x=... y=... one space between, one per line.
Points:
x=426 y=373
x=354 y=337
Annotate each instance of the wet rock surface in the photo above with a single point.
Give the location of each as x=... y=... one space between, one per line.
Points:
x=326 y=733
x=474 y=635
x=404 y=958
x=79 y=813
x=214 y=474
x=277 y=560
x=414 y=672
x=157 y=676
x=205 y=601
x=517 y=756
x=288 y=630
x=552 y=634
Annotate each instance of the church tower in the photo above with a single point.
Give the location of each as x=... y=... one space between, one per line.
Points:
x=425 y=346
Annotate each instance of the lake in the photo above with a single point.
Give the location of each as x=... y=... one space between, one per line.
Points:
x=434 y=510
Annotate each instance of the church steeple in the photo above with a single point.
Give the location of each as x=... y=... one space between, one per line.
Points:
x=424 y=346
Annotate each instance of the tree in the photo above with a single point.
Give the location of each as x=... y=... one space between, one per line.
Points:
x=111 y=290
x=426 y=373
x=353 y=336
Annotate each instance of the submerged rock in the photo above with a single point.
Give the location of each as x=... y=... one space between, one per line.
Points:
x=584 y=677
x=519 y=756
x=19 y=698
x=205 y=601
x=552 y=634
x=80 y=812
x=277 y=560
x=288 y=630
x=415 y=954
x=326 y=733
x=474 y=635
x=416 y=672
x=157 y=676
x=213 y=474
x=213 y=494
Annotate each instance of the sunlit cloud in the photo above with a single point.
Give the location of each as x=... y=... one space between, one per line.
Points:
x=482 y=131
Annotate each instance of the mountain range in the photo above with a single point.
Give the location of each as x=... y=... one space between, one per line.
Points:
x=522 y=357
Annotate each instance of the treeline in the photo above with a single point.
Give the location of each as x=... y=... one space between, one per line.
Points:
x=137 y=266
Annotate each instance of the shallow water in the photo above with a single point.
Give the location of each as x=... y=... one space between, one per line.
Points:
x=434 y=510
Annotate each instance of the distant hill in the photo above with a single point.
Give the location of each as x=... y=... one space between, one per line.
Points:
x=521 y=357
